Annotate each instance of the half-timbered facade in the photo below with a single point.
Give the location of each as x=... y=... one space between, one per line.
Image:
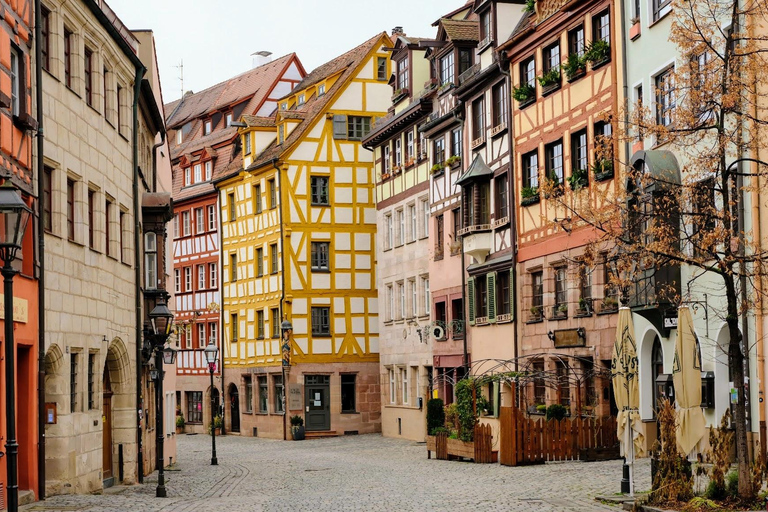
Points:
x=402 y=202
x=298 y=244
x=451 y=54
x=486 y=234
x=561 y=125
x=204 y=144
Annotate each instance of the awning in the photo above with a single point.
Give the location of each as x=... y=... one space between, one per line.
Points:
x=658 y=164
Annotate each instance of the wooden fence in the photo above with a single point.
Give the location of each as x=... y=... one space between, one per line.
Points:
x=525 y=440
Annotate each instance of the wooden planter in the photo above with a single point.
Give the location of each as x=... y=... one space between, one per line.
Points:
x=599 y=453
x=479 y=451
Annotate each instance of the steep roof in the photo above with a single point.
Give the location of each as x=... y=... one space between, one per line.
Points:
x=253 y=121
x=346 y=63
x=256 y=82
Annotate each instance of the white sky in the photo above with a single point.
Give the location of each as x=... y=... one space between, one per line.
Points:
x=215 y=39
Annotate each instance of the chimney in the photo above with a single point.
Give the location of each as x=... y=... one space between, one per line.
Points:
x=261 y=58
x=397 y=31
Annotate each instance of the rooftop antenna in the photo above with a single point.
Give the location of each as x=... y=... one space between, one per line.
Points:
x=180 y=67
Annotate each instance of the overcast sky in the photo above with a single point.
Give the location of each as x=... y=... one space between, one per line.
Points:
x=215 y=39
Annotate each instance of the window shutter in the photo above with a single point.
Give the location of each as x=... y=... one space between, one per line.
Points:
x=339 y=127
x=512 y=294
x=491 y=286
x=471 y=299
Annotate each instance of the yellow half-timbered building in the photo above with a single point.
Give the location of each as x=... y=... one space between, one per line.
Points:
x=299 y=244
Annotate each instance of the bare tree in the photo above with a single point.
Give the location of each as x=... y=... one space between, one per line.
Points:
x=710 y=113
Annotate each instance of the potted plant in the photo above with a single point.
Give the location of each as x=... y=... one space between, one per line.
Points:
x=561 y=310
x=524 y=93
x=585 y=306
x=575 y=66
x=297 y=428
x=610 y=304
x=530 y=6
x=550 y=80
x=603 y=170
x=217 y=424
x=578 y=179
x=180 y=424
x=598 y=52
x=529 y=195
x=556 y=412
x=536 y=313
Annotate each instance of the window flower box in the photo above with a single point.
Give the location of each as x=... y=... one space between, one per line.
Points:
x=530 y=195
x=550 y=81
x=575 y=67
x=598 y=53
x=578 y=179
x=603 y=170
x=525 y=94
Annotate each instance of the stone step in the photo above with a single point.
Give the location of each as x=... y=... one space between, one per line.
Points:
x=318 y=434
x=26 y=497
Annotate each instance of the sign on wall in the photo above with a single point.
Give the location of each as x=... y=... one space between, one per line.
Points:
x=20 y=309
x=294 y=397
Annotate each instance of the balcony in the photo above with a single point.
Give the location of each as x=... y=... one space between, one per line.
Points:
x=478 y=241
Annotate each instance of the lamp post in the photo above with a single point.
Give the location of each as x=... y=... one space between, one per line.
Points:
x=14 y=215
x=211 y=354
x=161 y=319
x=287 y=329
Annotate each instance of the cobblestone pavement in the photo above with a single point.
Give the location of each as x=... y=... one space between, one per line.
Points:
x=352 y=473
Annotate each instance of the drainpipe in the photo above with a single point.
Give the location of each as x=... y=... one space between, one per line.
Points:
x=503 y=64
x=41 y=259
x=140 y=70
x=221 y=306
x=282 y=281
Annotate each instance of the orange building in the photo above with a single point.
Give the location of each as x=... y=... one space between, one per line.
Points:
x=16 y=135
x=563 y=71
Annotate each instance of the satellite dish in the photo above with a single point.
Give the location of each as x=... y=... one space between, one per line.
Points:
x=438 y=332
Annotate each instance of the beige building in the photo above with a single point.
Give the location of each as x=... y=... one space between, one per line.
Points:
x=402 y=203
x=94 y=183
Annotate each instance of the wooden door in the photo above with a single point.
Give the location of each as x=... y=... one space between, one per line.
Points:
x=317 y=402
x=234 y=399
x=106 y=428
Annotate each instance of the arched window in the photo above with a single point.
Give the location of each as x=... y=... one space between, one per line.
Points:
x=150 y=261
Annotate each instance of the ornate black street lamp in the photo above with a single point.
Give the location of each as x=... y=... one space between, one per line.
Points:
x=14 y=215
x=211 y=354
x=161 y=320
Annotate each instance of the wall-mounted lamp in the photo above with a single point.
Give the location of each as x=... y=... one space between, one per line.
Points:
x=551 y=336
x=582 y=333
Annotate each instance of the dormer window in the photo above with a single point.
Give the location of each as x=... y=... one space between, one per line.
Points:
x=402 y=73
x=247 y=144
x=321 y=89
x=485 y=27
x=208 y=170
x=300 y=100
x=280 y=134
x=381 y=68
x=284 y=105
x=465 y=60
x=446 y=69
x=179 y=136
x=207 y=127
x=187 y=177
x=198 y=173
x=385 y=159
x=229 y=120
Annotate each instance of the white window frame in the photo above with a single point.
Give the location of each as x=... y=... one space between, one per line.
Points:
x=214 y=332
x=199 y=220
x=392 y=394
x=177 y=280
x=404 y=384
x=211 y=217
x=208 y=170
x=414 y=298
x=185 y=222
x=150 y=260
x=398 y=152
x=401 y=299
x=214 y=274
x=409 y=154
x=389 y=235
x=175 y=226
x=427 y=300
x=391 y=302
x=425 y=227
x=187 y=176
x=188 y=279
x=201 y=277
x=201 y=335
x=198 y=173
x=412 y=215
x=15 y=85
x=400 y=217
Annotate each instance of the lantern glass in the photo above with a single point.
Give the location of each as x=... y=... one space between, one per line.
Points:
x=169 y=355
x=153 y=374
x=211 y=353
x=162 y=319
x=14 y=216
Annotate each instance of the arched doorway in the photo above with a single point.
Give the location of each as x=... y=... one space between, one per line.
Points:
x=106 y=437
x=657 y=368
x=234 y=408
x=216 y=402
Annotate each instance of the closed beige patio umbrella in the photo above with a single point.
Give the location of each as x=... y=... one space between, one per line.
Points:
x=624 y=375
x=686 y=375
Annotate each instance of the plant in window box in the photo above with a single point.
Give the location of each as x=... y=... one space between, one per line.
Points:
x=180 y=423
x=524 y=93
x=530 y=6
x=409 y=162
x=536 y=313
x=297 y=428
x=578 y=179
x=437 y=168
x=550 y=80
x=597 y=52
x=561 y=310
x=399 y=92
x=610 y=304
x=445 y=87
x=575 y=66
x=603 y=169
x=553 y=187
x=585 y=306
x=530 y=195
x=452 y=160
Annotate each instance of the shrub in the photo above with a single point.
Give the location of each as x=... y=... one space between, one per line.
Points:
x=530 y=6
x=180 y=421
x=556 y=412
x=465 y=408
x=732 y=483
x=673 y=482
x=297 y=421
x=435 y=415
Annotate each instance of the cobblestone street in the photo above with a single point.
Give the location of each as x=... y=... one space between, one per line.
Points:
x=352 y=473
